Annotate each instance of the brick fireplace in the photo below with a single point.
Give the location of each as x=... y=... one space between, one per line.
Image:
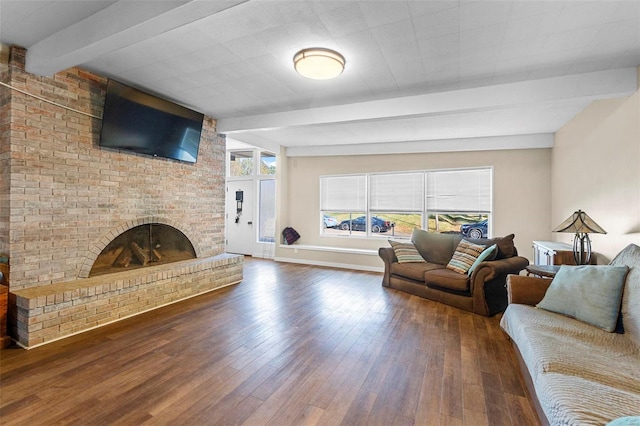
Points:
x=63 y=199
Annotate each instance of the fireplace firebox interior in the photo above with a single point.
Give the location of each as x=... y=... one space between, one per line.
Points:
x=142 y=246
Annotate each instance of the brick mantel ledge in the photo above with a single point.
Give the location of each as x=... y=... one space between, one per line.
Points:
x=47 y=313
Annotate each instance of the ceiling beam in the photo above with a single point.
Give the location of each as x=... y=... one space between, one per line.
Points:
x=490 y=143
x=117 y=26
x=579 y=87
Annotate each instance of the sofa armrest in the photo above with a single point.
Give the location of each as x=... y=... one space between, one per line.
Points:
x=489 y=270
x=388 y=256
x=487 y=284
x=526 y=290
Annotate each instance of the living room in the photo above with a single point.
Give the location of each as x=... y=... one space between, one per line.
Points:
x=590 y=160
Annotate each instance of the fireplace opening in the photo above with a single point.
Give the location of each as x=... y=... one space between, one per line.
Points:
x=144 y=245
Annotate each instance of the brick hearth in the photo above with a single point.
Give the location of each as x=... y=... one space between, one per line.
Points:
x=63 y=198
x=47 y=313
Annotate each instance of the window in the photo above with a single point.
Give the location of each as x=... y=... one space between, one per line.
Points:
x=343 y=204
x=456 y=198
x=394 y=204
x=267 y=211
x=397 y=198
x=267 y=163
x=241 y=163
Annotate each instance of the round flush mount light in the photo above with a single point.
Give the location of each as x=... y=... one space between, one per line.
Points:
x=318 y=63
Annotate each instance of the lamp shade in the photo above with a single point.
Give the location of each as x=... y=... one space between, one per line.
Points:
x=580 y=223
x=318 y=63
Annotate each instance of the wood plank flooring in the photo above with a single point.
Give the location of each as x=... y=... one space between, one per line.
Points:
x=291 y=344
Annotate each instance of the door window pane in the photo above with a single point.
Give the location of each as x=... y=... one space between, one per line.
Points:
x=267 y=211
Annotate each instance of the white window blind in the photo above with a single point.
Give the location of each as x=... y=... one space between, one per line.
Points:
x=459 y=191
x=343 y=193
x=397 y=192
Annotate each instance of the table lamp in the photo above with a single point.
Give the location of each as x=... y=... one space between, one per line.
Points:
x=581 y=224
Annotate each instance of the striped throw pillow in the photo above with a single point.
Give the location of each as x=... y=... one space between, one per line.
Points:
x=406 y=252
x=466 y=253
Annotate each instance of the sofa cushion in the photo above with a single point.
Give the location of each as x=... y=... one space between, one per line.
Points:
x=589 y=293
x=466 y=253
x=546 y=340
x=434 y=247
x=506 y=247
x=406 y=252
x=446 y=278
x=414 y=271
x=574 y=400
x=630 y=256
x=582 y=375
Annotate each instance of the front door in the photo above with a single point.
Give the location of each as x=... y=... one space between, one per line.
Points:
x=241 y=234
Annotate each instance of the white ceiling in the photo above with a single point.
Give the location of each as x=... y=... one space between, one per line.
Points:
x=417 y=71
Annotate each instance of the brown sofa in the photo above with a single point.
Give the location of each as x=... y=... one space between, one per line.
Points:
x=483 y=292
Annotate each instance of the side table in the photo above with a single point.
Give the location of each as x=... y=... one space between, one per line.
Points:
x=544 y=271
x=5 y=340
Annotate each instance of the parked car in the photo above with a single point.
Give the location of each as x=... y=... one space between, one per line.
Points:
x=330 y=221
x=475 y=230
x=360 y=224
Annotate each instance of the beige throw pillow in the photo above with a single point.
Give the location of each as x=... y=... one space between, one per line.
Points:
x=406 y=252
x=465 y=255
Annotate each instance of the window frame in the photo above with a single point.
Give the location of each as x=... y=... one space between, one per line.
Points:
x=425 y=213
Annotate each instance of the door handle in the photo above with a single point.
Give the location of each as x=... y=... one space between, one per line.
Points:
x=249 y=223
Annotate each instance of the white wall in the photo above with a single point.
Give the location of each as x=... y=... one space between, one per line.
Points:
x=522 y=188
x=596 y=168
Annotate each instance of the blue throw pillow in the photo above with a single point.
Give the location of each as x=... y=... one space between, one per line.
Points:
x=589 y=293
x=625 y=421
x=483 y=256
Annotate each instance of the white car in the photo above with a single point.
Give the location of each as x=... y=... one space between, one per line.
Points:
x=330 y=222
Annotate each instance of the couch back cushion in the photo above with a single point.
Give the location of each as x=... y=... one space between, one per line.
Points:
x=506 y=247
x=630 y=256
x=434 y=247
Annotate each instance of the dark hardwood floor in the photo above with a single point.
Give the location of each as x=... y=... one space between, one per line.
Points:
x=291 y=344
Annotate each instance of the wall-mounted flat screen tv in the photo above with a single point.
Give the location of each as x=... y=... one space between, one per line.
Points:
x=140 y=122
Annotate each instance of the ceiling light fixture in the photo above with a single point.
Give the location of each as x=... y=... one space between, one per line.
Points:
x=318 y=63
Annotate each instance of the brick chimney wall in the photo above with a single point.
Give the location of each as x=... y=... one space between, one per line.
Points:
x=4 y=157
x=63 y=196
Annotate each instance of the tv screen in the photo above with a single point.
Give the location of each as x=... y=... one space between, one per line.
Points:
x=140 y=122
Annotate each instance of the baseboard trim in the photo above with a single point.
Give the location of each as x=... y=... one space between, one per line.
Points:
x=330 y=264
x=297 y=247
